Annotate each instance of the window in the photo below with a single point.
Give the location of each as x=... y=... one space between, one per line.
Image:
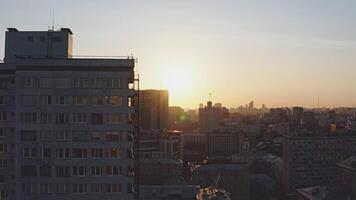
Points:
x=45 y=135
x=62 y=118
x=29 y=117
x=96 y=187
x=3 y=164
x=28 y=82
x=99 y=100
x=79 y=171
x=62 y=100
x=2 y=100
x=130 y=101
x=113 y=83
x=79 y=118
x=30 y=38
x=4 y=83
x=3 y=116
x=63 y=135
x=45 y=188
x=29 y=100
x=28 y=188
x=113 y=187
x=97 y=118
x=3 y=132
x=112 y=170
x=62 y=188
x=42 y=39
x=45 y=117
x=45 y=83
x=81 y=82
x=113 y=118
x=28 y=135
x=62 y=153
x=45 y=152
x=80 y=100
x=3 y=179
x=29 y=170
x=115 y=100
x=62 y=171
x=29 y=152
x=56 y=39
x=97 y=153
x=113 y=136
x=79 y=136
x=99 y=82
x=113 y=153
x=96 y=136
x=4 y=194
x=79 y=153
x=79 y=188
x=3 y=148
x=45 y=100
x=63 y=82
x=96 y=170
x=45 y=170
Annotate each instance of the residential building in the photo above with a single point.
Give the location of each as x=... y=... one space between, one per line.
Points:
x=310 y=159
x=68 y=121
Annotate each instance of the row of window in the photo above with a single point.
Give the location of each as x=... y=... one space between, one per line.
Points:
x=44 y=38
x=67 y=171
x=78 y=82
x=73 y=118
x=66 y=188
x=74 y=135
x=75 y=153
x=30 y=100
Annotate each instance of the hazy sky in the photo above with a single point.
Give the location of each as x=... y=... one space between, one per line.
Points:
x=279 y=53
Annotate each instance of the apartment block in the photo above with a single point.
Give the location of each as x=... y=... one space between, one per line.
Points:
x=67 y=123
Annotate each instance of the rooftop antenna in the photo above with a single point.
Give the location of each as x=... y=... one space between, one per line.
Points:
x=318 y=102
x=209 y=96
x=53 y=19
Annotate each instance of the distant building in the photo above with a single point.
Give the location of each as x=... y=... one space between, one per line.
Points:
x=175 y=115
x=154 y=109
x=298 y=113
x=209 y=118
x=310 y=159
x=223 y=143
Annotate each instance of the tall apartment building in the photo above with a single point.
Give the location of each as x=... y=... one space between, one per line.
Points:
x=154 y=109
x=310 y=159
x=67 y=123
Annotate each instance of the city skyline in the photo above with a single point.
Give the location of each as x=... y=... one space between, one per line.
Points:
x=276 y=53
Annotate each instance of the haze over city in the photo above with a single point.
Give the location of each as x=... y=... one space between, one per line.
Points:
x=279 y=53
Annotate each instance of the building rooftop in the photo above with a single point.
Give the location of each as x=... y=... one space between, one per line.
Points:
x=349 y=163
x=321 y=193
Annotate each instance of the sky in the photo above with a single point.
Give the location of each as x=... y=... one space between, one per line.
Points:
x=275 y=52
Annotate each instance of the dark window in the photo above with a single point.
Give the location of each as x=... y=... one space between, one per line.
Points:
x=29 y=38
x=29 y=170
x=56 y=39
x=42 y=39
x=62 y=171
x=45 y=170
x=97 y=118
x=28 y=135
